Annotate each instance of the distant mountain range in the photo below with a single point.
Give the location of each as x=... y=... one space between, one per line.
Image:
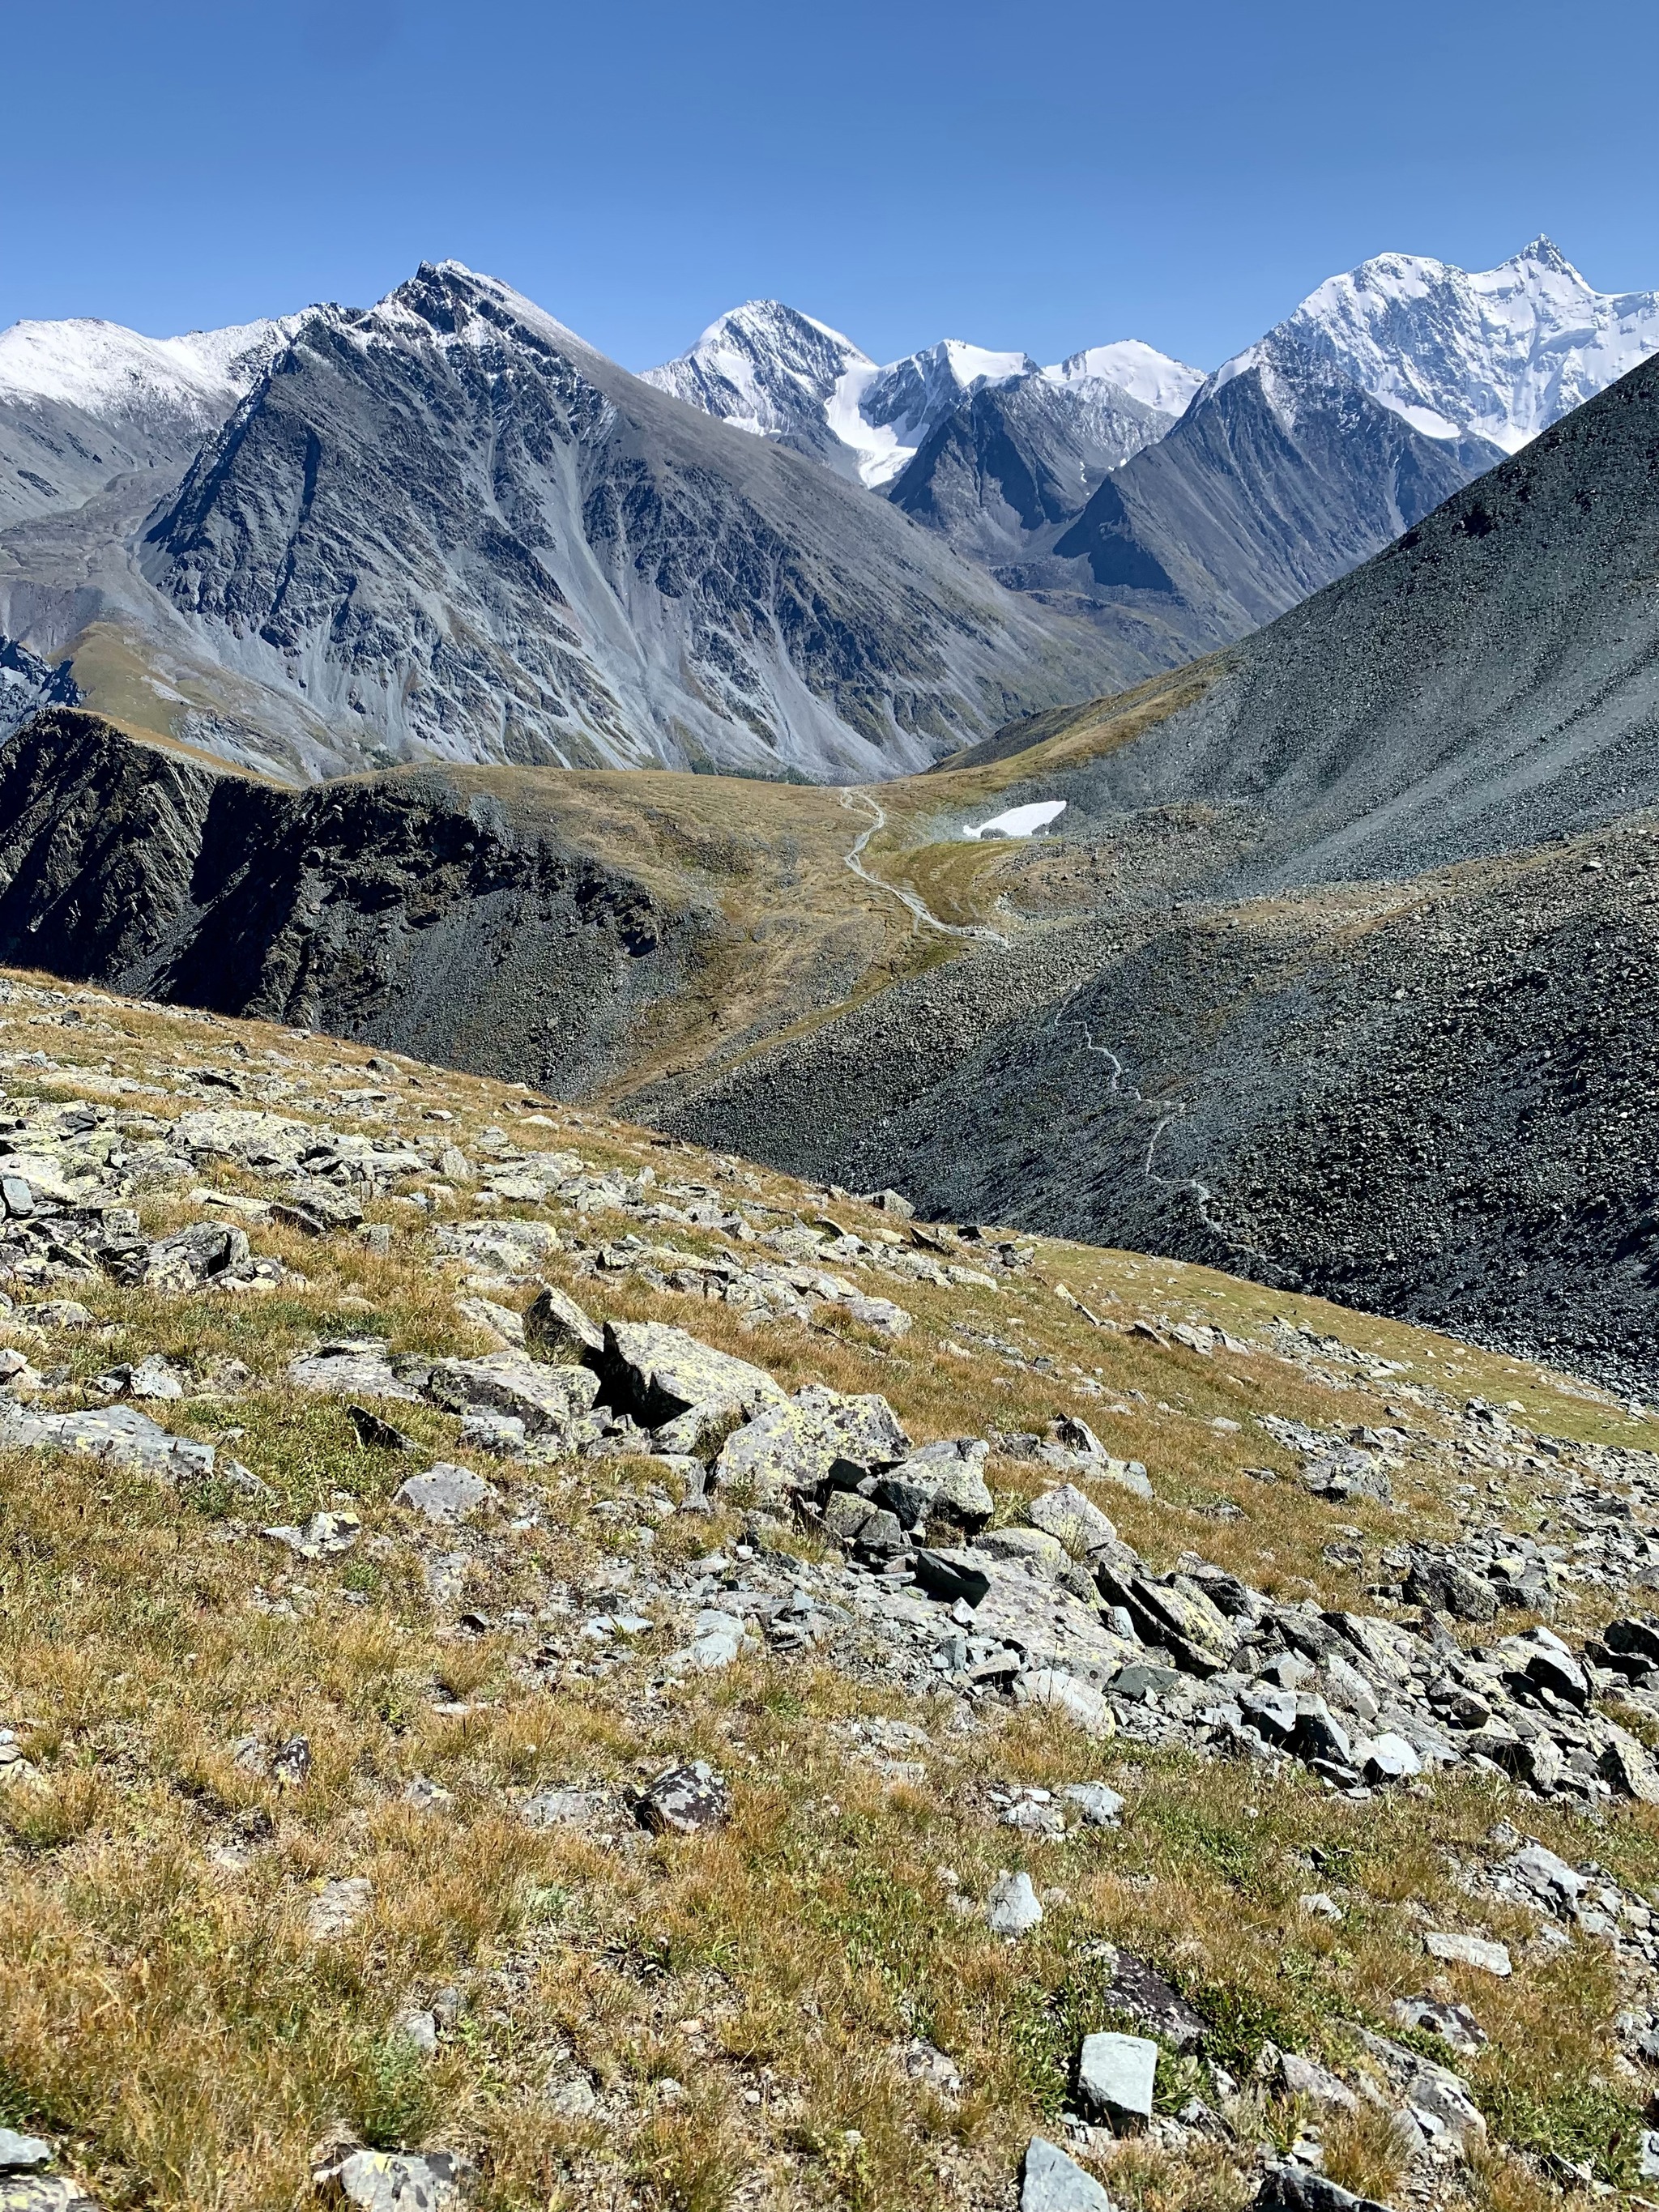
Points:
x=445 y=528
x=1122 y=483
x=766 y=368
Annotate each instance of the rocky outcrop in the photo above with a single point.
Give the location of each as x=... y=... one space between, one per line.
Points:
x=395 y=908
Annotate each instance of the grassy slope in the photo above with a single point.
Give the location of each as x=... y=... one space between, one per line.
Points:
x=162 y=2009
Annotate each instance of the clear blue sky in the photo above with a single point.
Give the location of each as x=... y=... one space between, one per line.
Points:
x=1045 y=176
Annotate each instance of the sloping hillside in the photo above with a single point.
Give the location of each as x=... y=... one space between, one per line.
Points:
x=467 y=1738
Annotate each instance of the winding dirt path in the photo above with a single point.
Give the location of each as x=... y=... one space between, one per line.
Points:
x=919 y=911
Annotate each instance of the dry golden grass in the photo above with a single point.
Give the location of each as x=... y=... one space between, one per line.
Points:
x=165 y=2012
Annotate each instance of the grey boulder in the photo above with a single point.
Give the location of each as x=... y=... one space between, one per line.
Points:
x=1054 y=2183
x=1114 y=2077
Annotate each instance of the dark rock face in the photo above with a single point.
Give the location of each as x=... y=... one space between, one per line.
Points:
x=391 y=909
x=27 y=684
x=1270 y=486
x=1014 y=460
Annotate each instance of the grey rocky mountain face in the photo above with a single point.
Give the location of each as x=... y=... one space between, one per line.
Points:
x=446 y=528
x=1272 y=483
x=1012 y=461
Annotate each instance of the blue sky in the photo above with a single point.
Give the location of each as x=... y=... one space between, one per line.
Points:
x=1044 y=176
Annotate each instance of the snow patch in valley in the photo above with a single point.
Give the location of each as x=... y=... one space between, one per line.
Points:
x=1019 y=821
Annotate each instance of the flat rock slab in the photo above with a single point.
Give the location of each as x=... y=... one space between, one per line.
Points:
x=349 y=1370
x=23 y=2154
x=1115 y=2077
x=1054 y=2183
x=338 y=1906
x=120 y=1434
x=656 y=1373
x=446 y=1493
x=1468 y=1951
x=325 y=1536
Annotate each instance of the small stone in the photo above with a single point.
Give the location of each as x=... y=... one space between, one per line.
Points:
x=1097 y=1802
x=290 y=1763
x=418 y=2029
x=930 y=2066
x=717 y=1643
x=684 y=1801
x=339 y=1906
x=18 y=1195
x=1054 y=2183
x=23 y=2154
x=1012 y=1909
x=372 y=1434
x=1078 y=1700
x=1315 y=2084
x=557 y=1809
x=1468 y=1951
x=1455 y=2024
x=1319 y=1906
x=1074 y=1521
x=446 y=1493
x=427 y=1796
x=325 y=1536
x=1115 y=2077
x=1388 y=1758
x=572 y=2099
x=391 y=2181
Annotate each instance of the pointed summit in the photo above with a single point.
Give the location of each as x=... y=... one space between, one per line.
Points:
x=1543 y=252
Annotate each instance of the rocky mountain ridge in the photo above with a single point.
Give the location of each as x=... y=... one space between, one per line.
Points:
x=445 y=528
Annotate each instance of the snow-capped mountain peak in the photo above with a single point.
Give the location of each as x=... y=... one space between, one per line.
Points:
x=113 y=373
x=1502 y=352
x=767 y=369
x=1155 y=379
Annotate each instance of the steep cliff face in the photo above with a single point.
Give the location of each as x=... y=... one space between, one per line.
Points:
x=396 y=908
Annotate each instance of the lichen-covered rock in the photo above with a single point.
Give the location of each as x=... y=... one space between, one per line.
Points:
x=120 y=1434
x=444 y=1494
x=390 y=2181
x=808 y=1442
x=943 y=1481
x=195 y=1255
x=512 y=1382
x=556 y=1329
x=350 y=1367
x=684 y=1800
x=655 y=1373
x=1074 y=1521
